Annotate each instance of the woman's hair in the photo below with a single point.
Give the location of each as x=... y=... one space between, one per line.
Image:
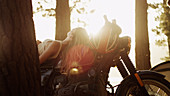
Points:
x=80 y=36
x=76 y=51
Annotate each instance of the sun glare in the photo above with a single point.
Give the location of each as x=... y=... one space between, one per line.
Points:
x=114 y=9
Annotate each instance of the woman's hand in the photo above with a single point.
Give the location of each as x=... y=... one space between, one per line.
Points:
x=68 y=38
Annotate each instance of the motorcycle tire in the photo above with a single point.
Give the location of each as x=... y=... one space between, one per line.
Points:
x=154 y=85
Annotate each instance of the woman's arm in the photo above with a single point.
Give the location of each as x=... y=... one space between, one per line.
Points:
x=51 y=50
x=55 y=47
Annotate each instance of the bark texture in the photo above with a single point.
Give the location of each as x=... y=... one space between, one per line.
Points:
x=19 y=64
x=62 y=19
x=141 y=35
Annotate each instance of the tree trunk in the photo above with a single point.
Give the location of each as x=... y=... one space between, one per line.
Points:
x=141 y=36
x=62 y=19
x=19 y=64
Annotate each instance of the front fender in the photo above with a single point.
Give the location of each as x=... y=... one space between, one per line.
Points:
x=144 y=73
x=150 y=73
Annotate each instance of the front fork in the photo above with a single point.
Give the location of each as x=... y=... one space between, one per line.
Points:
x=131 y=70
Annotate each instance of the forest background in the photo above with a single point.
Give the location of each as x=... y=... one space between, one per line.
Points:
x=121 y=10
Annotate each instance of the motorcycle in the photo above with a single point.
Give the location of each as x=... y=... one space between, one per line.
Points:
x=95 y=82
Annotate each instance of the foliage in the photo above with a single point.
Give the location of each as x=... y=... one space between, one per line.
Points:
x=46 y=11
x=78 y=6
x=166 y=59
x=163 y=18
x=80 y=10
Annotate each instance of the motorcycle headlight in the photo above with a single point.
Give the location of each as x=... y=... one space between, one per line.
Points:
x=74 y=71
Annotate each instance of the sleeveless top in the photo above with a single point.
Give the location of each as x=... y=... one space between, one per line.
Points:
x=44 y=45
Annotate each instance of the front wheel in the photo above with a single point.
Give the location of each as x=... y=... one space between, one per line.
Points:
x=154 y=85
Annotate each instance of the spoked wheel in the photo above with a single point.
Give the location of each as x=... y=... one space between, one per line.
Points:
x=155 y=86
